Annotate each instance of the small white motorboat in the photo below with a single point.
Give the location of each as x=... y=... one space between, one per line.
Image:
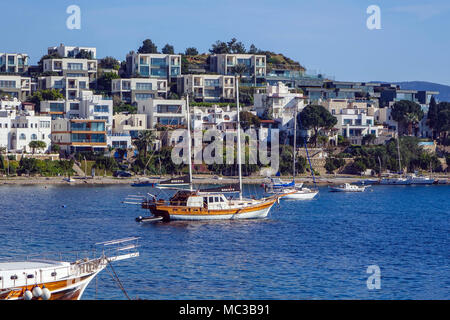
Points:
x=299 y=194
x=347 y=188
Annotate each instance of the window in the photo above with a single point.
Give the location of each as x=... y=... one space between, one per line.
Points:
x=168 y=108
x=74 y=106
x=75 y=66
x=22 y=136
x=143 y=86
x=101 y=108
x=144 y=96
x=33 y=136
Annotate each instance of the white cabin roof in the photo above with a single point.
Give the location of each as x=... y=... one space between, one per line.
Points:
x=31 y=264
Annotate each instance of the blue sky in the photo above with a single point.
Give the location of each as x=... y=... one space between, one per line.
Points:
x=330 y=37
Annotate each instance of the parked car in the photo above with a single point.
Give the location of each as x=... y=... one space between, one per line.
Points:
x=122 y=174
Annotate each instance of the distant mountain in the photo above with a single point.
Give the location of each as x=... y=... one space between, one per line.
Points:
x=444 y=90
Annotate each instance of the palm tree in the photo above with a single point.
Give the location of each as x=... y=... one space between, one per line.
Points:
x=144 y=140
x=239 y=69
x=412 y=119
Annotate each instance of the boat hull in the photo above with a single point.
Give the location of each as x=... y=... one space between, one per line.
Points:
x=300 y=196
x=196 y=214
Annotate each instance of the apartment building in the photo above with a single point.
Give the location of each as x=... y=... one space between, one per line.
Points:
x=154 y=65
x=136 y=89
x=70 y=86
x=73 y=51
x=224 y=64
x=74 y=135
x=129 y=124
x=13 y=62
x=72 y=62
x=162 y=112
x=19 y=125
x=208 y=88
x=214 y=117
x=279 y=104
x=15 y=86
x=354 y=124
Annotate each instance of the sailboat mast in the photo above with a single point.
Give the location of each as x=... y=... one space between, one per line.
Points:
x=295 y=141
x=188 y=117
x=398 y=150
x=238 y=139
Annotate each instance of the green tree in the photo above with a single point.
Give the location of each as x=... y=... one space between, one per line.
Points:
x=248 y=119
x=109 y=63
x=253 y=49
x=104 y=82
x=442 y=124
x=316 y=117
x=369 y=138
x=37 y=144
x=168 y=49
x=55 y=148
x=407 y=114
x=191 y=51
x=219 y=47
x=84 y=54
x=148 y=47
x=235 y=46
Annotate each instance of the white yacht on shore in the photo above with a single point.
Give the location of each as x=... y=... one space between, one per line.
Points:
x=414 y=179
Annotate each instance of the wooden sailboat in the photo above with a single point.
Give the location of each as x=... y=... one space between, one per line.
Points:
x=41 y=278
x=208 y=204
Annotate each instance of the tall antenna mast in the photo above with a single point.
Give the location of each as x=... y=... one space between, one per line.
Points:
x=239 y=139
x=189 y=141
x=295 y=140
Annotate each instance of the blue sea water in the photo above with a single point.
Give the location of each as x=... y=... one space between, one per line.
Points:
x=318 y=249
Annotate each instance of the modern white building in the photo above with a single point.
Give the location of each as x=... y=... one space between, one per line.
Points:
x=154 y=65
x=207 y=87
x=71 y=87
x=214 y=117
x=279 y=104
x=72 y=62
x=224 y=64
x=129 y=124
x=86 y=105
x=135 y=89
x=13 y=62
x=162 y=112
x=15 y=86
x=73 y=135
x=20 y=125
x=72 y=51
x=354 y=124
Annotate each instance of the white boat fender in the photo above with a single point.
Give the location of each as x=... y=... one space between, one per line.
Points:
x=37 y=292
x=27 y=295
x=46 y=294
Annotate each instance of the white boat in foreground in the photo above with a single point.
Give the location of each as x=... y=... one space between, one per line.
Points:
x=56 y=278
x=347 y=188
